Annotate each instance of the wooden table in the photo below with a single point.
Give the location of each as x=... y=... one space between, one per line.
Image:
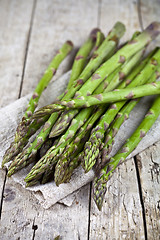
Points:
x=30 y=33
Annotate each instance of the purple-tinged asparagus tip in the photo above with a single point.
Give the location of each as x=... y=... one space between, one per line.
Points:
x=99 y=192
x=93 y=34
x=69 y=43
x=153 y=29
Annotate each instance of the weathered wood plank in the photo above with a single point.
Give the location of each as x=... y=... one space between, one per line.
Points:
x=14 y=29
x=149 y=161
x=21 y=210
x=119 y=10
x=54 y=22
x=68 y=222
x=13 y=41
x=150 y=11
x=149 y=168
x=121 y=216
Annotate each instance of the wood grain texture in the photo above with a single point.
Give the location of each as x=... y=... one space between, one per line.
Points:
x=14 y=29
x=149 y=169
x=13 y=41
x=121 y=216
x=149 y=161
x=119 y=10
x=54 y=23
x=22 y=217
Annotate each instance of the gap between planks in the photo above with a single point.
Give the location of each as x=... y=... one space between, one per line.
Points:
x=27 y=46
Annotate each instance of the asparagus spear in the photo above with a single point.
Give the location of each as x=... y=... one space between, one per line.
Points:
x=46 y=110
x=113 y=96
x=24 y=124
x=122 y=116
x=54 y=152
x=109 y=83
x=27 y=156
x=69 y=158
x=65 y=165
x=61 y=167
x=131 y=143
x=95 y=115
x=44 y=133
x=93 y=145
x=128 y=80
x=76 y=69
x=103 y=52
x=49 y=175
x=109 y=66
x=82 y=55
x=99 y=40
x=69 y=161
x=40 y=139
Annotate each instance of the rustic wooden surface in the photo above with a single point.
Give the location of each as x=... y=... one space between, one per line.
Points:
x=30 y=33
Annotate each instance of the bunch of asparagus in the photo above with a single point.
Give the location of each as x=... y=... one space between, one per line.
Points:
x=80 y=126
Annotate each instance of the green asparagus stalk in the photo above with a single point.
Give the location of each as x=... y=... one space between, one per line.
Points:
x=82 y=55
x=48 y=175
x=109 y=66
x=69 y=157
x=46 y=110
x=54 y=152
x=96 y=115
x=109 y=83
x=68 y=161
x=77 y=68
x=27 y=156
x=113 y=96
x=62 y=168
x=103 y=52
x=122 y=116
x=23 y=126
x=131 y=143
x=48 y=125
x=99 y=40
x=93 y=145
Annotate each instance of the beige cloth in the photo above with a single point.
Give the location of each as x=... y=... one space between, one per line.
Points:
x=49 y=194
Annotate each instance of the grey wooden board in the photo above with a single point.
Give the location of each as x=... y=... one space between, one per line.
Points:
x=149 y=169
x=121 y=217
x=14 y=29
x=149 y=160
x=21 y=211
x=13 y=39
x=53 y=23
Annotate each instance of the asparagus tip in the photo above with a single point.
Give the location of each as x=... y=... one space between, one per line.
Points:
x=99 y=191
x=93 y=34
x=153 y=29
x=69 y=42
x=120 y=29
